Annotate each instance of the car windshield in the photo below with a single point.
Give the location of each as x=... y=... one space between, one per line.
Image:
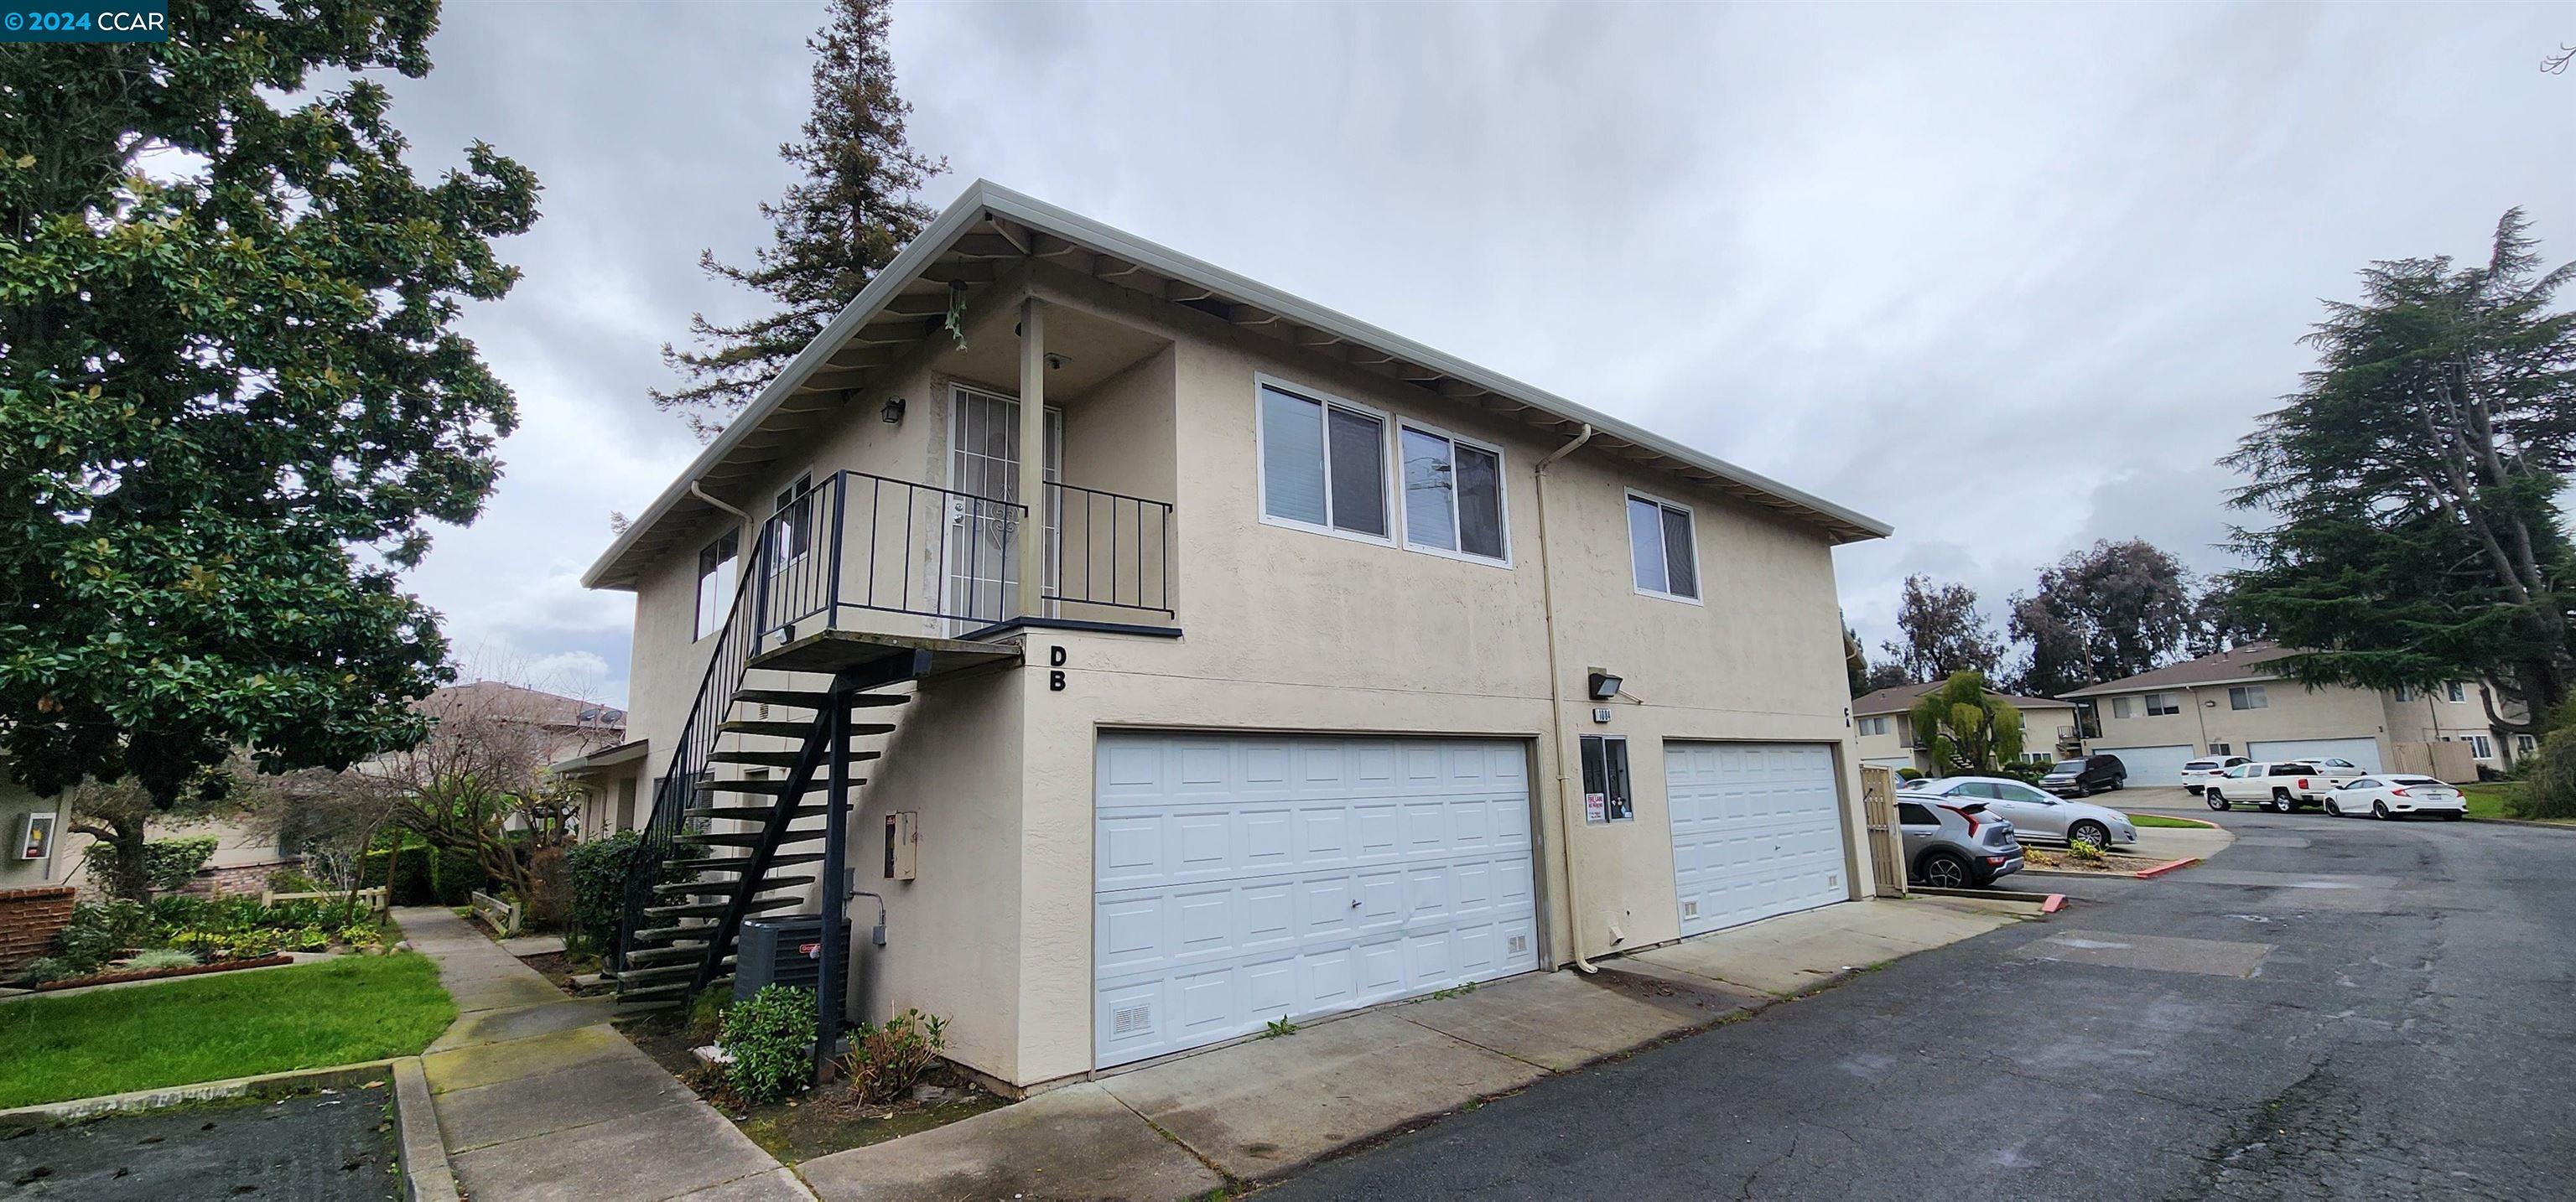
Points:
x=2200 y=765
x=2068 y=766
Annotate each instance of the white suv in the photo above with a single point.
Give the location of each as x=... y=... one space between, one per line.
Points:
x=2196 y=774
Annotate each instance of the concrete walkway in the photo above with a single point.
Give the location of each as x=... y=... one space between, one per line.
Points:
x=537 y=1097
x=1257 y=1109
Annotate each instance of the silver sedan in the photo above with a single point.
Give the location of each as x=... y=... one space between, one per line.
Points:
x=2034 y=812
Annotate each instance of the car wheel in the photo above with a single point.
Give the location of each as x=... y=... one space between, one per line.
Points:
x=2089 y=832
x=2379 y=810
x=2333 y=810
x=2215 y=800
x=1946 y=870
x=2281 y=803
x=2118 y=783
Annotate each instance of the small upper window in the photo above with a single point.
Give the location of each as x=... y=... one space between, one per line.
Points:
x=2247 y=697
x=1875 y=726
x=2159 y=704
x=2455 y=691
x=2403 y=693
x=1453 y=495
x=2124 y=707
x=1322 y=464
x=716 y=567
x=1661 y=549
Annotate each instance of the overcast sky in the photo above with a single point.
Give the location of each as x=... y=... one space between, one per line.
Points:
x=2009 y=278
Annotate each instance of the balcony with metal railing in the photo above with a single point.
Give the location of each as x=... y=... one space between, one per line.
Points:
x=864 y=552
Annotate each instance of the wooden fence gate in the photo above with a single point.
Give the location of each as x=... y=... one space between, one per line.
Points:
x=1886 y=843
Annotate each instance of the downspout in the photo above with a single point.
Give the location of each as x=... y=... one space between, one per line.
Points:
x=702 y=495
x=1556 y=703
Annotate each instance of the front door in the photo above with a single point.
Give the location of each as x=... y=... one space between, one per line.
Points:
x=981 y=575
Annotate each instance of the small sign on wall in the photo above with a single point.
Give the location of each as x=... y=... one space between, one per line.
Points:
x=36 y=835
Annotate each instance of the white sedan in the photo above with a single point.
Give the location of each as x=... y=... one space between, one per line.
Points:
x=2392 y=796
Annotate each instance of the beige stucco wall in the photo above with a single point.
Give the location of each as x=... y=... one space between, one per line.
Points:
x=1287 y=630
x=2292 y=712
x=2039 y=736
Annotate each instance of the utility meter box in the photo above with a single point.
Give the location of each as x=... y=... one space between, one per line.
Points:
x=786 y=950
x=35 y=836
x=902 y=846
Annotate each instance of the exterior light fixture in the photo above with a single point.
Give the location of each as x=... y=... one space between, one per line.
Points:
x=1604 y=686
x=892 y=413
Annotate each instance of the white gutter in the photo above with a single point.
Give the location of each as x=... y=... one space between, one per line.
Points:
x=1556 y=706
x=703 y=495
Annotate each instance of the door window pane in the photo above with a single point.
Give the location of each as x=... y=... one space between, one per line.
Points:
x=1292 y=457
x=1358 y=445
x=1430 y=491
x=1681 y=556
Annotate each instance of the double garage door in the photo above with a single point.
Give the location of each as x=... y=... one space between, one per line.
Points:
x=2150 y=766
x=2363 y=753
x=1243 y=878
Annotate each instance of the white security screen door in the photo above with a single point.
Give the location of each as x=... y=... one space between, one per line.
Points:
x=982 y=573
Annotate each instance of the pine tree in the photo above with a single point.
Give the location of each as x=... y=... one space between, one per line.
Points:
x=835 y=229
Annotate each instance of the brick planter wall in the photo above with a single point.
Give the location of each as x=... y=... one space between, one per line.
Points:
x=28 y=920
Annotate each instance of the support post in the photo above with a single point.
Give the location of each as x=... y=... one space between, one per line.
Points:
x=829 y=990
x=1028 y=543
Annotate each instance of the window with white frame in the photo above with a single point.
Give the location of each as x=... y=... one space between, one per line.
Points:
x=2403 y=693
x=2222 y=749
x=1661 y=548
x=2455 y=691
x=1453 y=494
x=2247 y=697
x=2161 y=704
x=2481 y=747
x=1879 y=725
x=717 y=564
x=1323 y=464
x=2524 y=744
x=2124 y=707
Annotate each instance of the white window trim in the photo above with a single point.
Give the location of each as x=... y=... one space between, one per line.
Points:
x=1388 y=449
x=1457 y=519
x=783 y=558
x=2147 y=705
x=1699 y=569
x=724 y=604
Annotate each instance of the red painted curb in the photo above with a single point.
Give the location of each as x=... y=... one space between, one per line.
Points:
x=2168 y=866
x=2055 y=902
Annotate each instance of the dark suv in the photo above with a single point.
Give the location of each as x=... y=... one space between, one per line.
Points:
x=2089 y=775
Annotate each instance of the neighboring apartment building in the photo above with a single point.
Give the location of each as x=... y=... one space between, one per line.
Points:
x=2232 y=704
x=1885 y=737
x=1348 y=672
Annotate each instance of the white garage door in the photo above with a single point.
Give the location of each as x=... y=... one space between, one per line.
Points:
x=2150 y=766
x=2363 y=752
x=1240 y=879
x=1757 y=830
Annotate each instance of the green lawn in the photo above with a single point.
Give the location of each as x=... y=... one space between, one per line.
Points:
x=222 y=1025
x=2487 y=797
x=2161 y=820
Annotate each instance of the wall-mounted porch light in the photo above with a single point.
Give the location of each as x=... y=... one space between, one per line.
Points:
x=1604 y=686
x=892 y=413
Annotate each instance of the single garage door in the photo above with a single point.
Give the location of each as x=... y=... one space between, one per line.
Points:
x=2150 y=766
x=1242 y=878
x=2362 y=752
x=1757 y=830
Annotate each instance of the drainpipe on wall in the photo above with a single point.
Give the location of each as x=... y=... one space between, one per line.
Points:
x=702 y=495
x=1556 y=703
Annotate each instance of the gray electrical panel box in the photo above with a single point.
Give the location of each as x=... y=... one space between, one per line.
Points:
x=785 y=950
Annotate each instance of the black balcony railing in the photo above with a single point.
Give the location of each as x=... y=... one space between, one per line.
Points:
x=860 y=541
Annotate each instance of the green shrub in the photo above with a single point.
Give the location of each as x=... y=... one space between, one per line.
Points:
x=886 y=1062
x=161 y=958
x=1909 y=774
x=98 y=932
x=43 y=969
x=2549 y=791
x=411 y=884
x=171 y=863
x=292 y=880
x=770 y=1036
x=595 y=878
x=706 y=1014
x=456 y=878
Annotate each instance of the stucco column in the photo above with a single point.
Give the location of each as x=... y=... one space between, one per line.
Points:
x=1031 y=543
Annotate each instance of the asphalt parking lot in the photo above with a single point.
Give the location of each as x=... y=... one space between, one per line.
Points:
x=334 y=1147
x=2331 y=1008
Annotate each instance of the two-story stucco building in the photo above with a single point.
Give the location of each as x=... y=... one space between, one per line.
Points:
x=1340 y=670
x=1884 y=735
x=2232 y=703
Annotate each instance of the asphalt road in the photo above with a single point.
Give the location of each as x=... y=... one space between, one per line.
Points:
x=2331 y=1008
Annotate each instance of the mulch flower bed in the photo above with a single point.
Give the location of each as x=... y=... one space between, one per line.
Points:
x=154 y=974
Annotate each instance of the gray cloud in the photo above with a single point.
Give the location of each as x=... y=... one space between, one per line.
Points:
x=2009 y=278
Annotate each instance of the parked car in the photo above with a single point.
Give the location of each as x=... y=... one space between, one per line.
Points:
x=2196 y=773
x=1955 y=844
x=2270 y=784
x=2086 y=776
x=2331 y=773
x=2391 y=796
x=2033 y=813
